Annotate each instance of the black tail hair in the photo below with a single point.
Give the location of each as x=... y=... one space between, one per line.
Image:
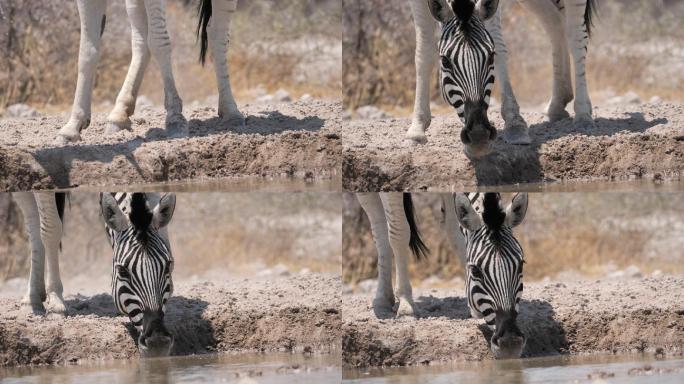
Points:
x=204 y=13
x=419 y=249
x=60 y=201
x=589 y=14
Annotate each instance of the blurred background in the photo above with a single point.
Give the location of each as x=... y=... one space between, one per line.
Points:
x=289 y=45
x=214 y=236
x=635 y=55
x=565 y=236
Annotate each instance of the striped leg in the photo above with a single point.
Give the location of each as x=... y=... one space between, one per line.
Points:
x=515 y=130
x=91 y=13
x=119 y=118
x=399 y=235
x=33 y=301
x=383 y=303
x=578 y=40
x=426 y=56
x=160 y=46
x=219 y=37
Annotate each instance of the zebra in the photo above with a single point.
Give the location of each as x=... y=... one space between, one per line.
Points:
x=568 y=24
x=149 y=37
x=480 y=229
x=136 y=227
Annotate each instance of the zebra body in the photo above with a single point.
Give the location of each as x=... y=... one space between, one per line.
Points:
x=141 y=265
x=567 y=22
x=480 y=230
x=149 y=37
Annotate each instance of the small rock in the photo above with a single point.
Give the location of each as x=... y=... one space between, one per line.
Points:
x=306 y=97
x=282 y=96
x=655 y=100
x=370 y=112
x=633 y=272
x=631 y=98
x=657 y=273
x=21 y=110
x=265 y=99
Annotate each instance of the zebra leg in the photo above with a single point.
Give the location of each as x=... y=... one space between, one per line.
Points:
x=399 y=235
x=33 y=301
x=383 y=303
x=119 y=118
x=160 y=46
x=92 y=15
x=51 y=235
x=452 y=227
x=425 y=56
x=553 y=21
x=578 y=40
x=515 y=127
x=218 y=32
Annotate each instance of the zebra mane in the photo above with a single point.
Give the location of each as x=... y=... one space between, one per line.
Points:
x=493 y=214
x=140 y=215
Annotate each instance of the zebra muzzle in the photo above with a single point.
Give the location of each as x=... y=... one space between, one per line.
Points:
x=155 y=340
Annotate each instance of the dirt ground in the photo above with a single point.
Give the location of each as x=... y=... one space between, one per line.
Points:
x=581 y=317
x=298 y=140
x=294 y=314
x=631 y=142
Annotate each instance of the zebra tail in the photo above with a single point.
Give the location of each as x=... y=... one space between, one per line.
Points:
x=590 y=14
x=419 y=249
x=60 y=201
x=204 y=13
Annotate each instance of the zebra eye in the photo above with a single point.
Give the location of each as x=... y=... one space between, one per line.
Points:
x=122 y=272
x=445 y=62
x=476 y=272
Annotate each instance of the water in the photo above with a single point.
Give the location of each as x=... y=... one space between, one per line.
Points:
x=256 y=184
x=591 y=186
x=242 y=369
x=558 y=369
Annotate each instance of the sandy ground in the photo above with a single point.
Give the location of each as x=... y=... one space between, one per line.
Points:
x=581 y=317
x=631 y=142
x=283 y=140
x=295 y=314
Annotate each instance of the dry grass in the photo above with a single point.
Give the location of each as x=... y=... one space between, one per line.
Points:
x=590 y=234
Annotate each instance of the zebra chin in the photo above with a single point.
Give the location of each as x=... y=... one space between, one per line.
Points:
x=154 y=340
x=478 y=134
x=508 y=344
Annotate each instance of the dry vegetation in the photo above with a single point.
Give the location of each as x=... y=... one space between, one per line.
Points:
x=635 y=47
x=588 y=233
x=274 y=44
x=233 y=233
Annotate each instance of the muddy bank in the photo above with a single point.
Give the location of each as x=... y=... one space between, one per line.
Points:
x=630 y=142
x=282 y=141
x=583 y=317
x=299 y=314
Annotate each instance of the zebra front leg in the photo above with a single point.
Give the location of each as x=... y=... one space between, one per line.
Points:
x=383 y=303
x=92 y=15
x=51 y=235
x=425 y=57
x=578 y=40
x=515 y=127
x=219 y=38
x=119 y=118
x=160 y=46
x=33 y=301
x=553 y=21
x=399 y=236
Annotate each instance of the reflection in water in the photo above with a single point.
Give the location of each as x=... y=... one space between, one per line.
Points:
x=244 y=368
x=635 y=369
x=591 y=186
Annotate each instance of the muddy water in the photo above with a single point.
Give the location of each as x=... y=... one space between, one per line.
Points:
x=638 y=186
x=243 y=369
x=229 y=185
x=562 y=369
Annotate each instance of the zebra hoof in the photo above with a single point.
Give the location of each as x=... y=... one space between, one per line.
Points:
x=555 y=116
x=383 y=308
x=117 y=126
x=406 y=308
x=29 y=308
x=519 y=136
x=176 y=126
x=584 y=123
x=234 y=121
x=55 y=305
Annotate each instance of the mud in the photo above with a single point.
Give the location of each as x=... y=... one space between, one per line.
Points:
x=280 y=141
x=630 y=142
x=577 y=318
x=296 y=314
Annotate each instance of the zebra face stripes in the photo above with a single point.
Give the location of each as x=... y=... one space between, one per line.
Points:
x=494 y=269
x=142 y=264
x=466 y=53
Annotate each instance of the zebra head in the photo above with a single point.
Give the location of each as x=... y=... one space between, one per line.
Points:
x=142 y=265
x=494 y=266
x=466 y=53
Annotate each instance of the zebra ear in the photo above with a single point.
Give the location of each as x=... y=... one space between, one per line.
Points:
x=486 y=8
x=163 y=212
x=111 y=213
x=465 y=213
x=515 y=212
x=440 y=10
